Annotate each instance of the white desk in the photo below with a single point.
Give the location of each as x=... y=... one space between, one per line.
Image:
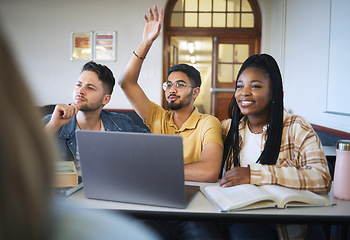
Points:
x=329 y=151
x=201 y=209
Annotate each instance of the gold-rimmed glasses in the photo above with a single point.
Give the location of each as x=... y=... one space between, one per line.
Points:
x=178 y=86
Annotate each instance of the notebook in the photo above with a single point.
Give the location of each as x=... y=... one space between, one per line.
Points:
x=134 y=167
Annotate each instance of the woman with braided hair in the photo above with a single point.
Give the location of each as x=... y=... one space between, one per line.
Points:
x=264 y=144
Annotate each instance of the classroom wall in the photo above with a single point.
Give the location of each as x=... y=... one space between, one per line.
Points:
x=295 y=32
x=306 y=63
x=39 y=31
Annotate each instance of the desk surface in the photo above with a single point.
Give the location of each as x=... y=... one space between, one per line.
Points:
x=330 y=151
x=201 y=209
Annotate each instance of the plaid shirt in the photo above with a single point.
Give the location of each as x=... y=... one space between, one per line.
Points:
x=301 y=163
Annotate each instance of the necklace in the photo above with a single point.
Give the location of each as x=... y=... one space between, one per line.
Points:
x=255 y=132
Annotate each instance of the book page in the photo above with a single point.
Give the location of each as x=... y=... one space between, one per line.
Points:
x=295 y=197
x=65 y=174
x=65 y=167
x=237 y=197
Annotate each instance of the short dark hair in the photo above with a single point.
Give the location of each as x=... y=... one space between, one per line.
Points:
x=104 y=74
x=192 y=73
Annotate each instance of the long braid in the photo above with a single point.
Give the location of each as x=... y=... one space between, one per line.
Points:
x=273 y=143
x=231 y=145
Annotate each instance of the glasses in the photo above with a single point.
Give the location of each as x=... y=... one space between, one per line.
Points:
x=178 y=86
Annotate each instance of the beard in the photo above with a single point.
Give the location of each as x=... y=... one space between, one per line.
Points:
x=87 y=107
x=183 y=103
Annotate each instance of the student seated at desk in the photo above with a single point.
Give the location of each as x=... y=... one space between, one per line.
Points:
x=201 y=133
x=264 y=143
x=26 y=170
x=92 y=92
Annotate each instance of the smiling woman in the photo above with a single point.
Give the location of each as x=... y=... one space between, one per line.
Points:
x=265 y=145
x=253 y=94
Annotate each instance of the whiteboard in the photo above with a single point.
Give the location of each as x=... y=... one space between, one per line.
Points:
x=338 y=90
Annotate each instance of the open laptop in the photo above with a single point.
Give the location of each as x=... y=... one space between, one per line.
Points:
x=134 y=167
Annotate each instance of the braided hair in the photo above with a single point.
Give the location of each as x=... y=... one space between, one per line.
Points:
x=275 y=124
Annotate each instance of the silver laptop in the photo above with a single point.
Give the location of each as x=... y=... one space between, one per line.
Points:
x=134 y=167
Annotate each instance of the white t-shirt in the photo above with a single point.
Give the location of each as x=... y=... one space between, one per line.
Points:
x=77 y=157
x=251 y=149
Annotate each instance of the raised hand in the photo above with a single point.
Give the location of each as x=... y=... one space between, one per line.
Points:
x=128 y=79
x=153 y=24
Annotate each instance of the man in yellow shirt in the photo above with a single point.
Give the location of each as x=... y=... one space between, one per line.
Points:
x=201 y=133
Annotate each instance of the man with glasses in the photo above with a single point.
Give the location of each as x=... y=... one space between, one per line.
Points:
x=201 y=133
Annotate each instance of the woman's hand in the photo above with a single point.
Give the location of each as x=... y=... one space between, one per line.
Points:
x=236 y=176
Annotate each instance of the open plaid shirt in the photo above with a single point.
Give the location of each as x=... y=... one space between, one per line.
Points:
x=301 y=163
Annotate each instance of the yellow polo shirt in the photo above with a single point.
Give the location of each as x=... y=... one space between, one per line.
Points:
x=196 y=132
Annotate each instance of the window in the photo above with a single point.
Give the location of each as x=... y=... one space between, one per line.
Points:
x=212 y=13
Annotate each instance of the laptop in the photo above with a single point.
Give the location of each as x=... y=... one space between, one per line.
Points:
x=134 y=168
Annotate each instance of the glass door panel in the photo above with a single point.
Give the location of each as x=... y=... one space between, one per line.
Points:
x=197 y=52
x=225 y=73
x=230 y=59
x=231 y=53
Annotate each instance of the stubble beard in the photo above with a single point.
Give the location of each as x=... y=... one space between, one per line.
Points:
x=85 y=107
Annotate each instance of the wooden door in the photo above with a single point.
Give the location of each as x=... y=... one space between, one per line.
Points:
x=229 y=55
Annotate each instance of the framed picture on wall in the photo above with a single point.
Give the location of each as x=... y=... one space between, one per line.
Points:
x=104 y=48
x=81 y=45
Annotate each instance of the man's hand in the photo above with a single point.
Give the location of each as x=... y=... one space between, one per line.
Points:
x=62 y=114
x=208 y=168
x=153 y=24
x=128 y=79
x=236 y=176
